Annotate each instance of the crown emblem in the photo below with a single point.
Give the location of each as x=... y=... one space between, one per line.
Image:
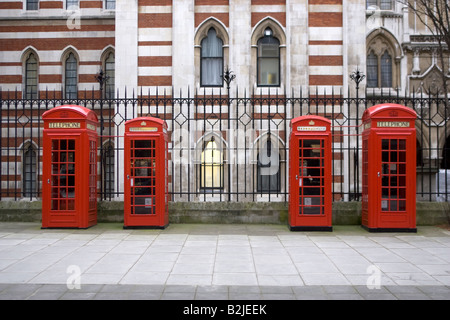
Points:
x=143 y=123
x=311 y=123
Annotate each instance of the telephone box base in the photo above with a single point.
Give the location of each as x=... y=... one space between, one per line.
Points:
x=145 y=227
x=68 y=228
x=310 y=228
x=374 y=230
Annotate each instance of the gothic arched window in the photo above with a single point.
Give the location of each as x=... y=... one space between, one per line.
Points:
x=268 y=60
x=211 y=60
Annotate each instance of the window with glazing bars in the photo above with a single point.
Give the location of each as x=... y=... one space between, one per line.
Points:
x=372 y=70
x=211 y=60
x=211 y=170
x=30 y=172
x=268 y=171
x=72 y=3
x=386 y=70
x=31 y=78
x=268 y=60
x=71 y=77
x=110 y=4
x=108 y=171
x=109 y=72
x=379 y=70
x=32 y=4
x=381 y=4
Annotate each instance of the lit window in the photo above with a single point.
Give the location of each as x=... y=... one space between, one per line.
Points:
x=211 y=172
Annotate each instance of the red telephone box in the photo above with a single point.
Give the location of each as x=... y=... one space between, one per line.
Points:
x=69 y=177
x=310 y=174
x=389 y=169
x=146 y=173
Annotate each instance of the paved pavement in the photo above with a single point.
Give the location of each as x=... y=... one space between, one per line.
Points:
x=223 y=262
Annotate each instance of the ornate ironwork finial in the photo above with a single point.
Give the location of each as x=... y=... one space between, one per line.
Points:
x=228 y=76
x=357 y=76
x=101 y=78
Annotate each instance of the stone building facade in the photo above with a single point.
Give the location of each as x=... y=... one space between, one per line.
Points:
x=56 y=48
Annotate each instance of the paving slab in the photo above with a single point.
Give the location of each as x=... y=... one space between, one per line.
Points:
x=222 y=262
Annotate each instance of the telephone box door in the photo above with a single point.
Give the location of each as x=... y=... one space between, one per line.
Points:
x=396 y=185
x=61 y=188
x=310 y=180
x=145 y=175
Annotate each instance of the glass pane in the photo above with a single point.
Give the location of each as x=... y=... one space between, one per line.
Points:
x=212 y=70
x=212 y=46
x=30 y=172
x=71 y=77
x=32 y=4
x=211 y=60
x=71 y=3
x=268 y=173
x=268 y=71
x=393 y=170
x=311 y=176
x=385 y=4
x=372 y=70
x=110 y=74
x=268 y=60
x=386 y=70
x=110 y=4
x=371 y=3
x=211 y=173
x=269 y=50
x=31 y=77
x=63 y=174
x=142 y=180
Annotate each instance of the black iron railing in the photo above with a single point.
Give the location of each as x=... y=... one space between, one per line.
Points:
x=241 y=123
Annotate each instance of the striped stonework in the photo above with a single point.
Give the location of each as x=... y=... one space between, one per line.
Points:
x=219 y=9
x=325 y=43
x=154 y=44
x=273 y=8
x=51 y=33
